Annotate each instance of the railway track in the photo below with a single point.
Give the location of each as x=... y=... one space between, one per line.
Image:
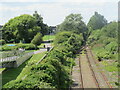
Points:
x=90 y=74
x=103 y=75
x=93 y=73
x=81 y=74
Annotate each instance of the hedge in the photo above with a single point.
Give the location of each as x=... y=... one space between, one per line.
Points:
x=53 y=71
x=25 y=46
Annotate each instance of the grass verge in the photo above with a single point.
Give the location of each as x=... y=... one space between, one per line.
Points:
x=2 y=69
x=48 y=37
x=22 y=70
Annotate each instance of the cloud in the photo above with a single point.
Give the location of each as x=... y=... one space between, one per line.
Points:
x=51 y=12
x=27 y=0
x=54 y=13
x=20 y=0
x=59 y=1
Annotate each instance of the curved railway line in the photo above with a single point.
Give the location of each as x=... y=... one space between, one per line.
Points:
x=96 y=79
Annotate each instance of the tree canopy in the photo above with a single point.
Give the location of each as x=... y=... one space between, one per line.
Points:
x=37 y=39
x=97 y=21
x=105 y=42
x=22 y=27
x=74 y=23
x=39 y=22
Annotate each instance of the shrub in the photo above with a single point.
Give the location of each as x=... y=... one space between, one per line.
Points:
x=2 y=42
x=62 y=37
x=7 y=48
x=69 y=41
x=103 y=54
x=54 y=70
x=25 y=46
x=112 y=47
x=37 y=39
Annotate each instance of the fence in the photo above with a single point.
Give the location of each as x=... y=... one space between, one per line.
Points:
x=16 y=61
x=23 y=58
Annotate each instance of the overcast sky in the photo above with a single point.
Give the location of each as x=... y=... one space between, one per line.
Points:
x=54 y=11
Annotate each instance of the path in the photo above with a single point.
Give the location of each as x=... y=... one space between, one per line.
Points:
x=35 y=52
x=76 y=75
x=47 y=45
x=41 y=50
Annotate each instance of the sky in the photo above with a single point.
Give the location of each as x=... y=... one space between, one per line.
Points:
x=55 y=11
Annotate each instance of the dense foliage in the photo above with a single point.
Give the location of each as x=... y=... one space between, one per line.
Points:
x=71 y=40
x=39 y=22
x=104 y=41
x=23 y=28
x=97 y=21
x=20 y=28
x=2 y=42
x=54 y=70
x=62 y=37
x=20 y=45
x=73 y=23
x=37 y=39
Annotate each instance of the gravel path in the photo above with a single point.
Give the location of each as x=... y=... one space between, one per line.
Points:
x=39 y=51
x=76 y=75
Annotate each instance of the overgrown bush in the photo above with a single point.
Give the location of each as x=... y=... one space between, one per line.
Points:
x=54 y=70
x=7 y=48
x=25 y=46
x=37 y=39
x=62 y=37
x=2 y=42
x=106 y=41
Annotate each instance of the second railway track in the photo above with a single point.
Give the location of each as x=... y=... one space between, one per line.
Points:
x=90 y=74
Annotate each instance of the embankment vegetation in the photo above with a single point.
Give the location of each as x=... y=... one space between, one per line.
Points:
x=54 y=70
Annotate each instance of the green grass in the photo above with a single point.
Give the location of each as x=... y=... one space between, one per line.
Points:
x=2 y=69
x=13 y=73
x=41 y=45
x=48 y=37
x=37 y=57
x=34 y=59
x=111 y=67
x=27 y=51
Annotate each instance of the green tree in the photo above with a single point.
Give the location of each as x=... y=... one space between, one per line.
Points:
x=62 y=37
x=104 y=41
x=20 y=28
x=74 y=23
x=37 y=39
x=110 y=30
x=39 y=22
x=97 y=21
